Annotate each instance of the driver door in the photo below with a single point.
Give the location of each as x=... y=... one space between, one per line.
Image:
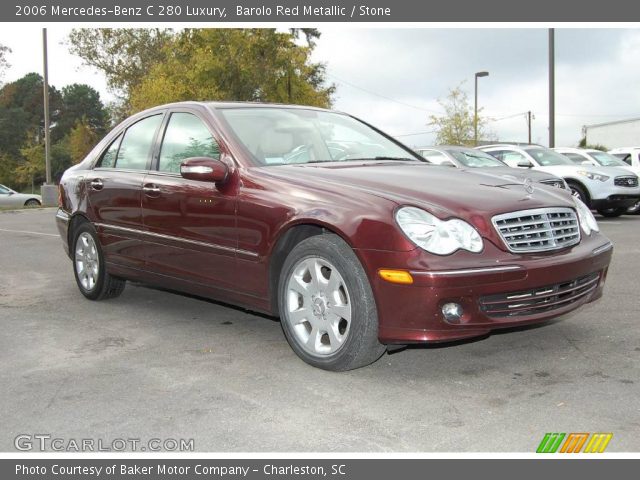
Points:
x=190 y=224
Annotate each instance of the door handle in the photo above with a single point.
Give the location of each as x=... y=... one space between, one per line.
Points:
x=151 y=190
x=97 y=184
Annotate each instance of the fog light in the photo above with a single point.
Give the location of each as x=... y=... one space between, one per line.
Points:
x=452 y=312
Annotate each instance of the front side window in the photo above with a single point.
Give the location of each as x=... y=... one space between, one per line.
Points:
x=512 y=158
x=135 y=148
x=4 y=190
x=279 y=136
x=186 y=136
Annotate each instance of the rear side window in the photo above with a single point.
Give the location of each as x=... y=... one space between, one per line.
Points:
x=186 y=136
x=108 y=159
x=575 y=158
x=135 y=148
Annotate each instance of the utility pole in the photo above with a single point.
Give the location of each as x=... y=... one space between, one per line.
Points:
x=529 y=125
x=48 y=190
x=552 y=90
x=47 y=158
x=475 y=106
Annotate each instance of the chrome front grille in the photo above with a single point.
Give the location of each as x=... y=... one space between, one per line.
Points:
x=539 y=300
x=539 y=229
x=626 y=181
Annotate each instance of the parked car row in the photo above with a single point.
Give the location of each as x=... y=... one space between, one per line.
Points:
x=599 y=179
x=356 y=242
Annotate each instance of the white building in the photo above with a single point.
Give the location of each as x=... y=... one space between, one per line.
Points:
x=622 y=133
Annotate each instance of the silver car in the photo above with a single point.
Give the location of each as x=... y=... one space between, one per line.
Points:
x=463 y=157
x=610 y=191
x=11 y=198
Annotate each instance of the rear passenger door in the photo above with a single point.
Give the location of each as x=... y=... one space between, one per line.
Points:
x=191 y=224
x=114 y=192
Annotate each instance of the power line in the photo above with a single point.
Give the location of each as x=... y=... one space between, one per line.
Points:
x=416 y=133
x=370 y=92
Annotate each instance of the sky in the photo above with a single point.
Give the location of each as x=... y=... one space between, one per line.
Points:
x=394 y=77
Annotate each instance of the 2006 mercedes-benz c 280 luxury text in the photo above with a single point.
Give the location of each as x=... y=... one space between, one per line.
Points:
x=353 y=240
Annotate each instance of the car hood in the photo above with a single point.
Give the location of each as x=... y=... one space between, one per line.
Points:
x=445 y=191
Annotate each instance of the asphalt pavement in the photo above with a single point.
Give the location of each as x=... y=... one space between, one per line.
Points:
x=155 y=364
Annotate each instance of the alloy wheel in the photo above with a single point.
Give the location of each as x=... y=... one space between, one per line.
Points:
x=87 y=261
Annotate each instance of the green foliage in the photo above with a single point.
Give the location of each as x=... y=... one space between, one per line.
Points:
x=123 y=55
x=4 y=64
x=81 y=103
x=583 y=144
x=79 y=120
x=151 y=67
x=456 y=126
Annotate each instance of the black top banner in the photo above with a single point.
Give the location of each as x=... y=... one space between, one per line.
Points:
x=286 y=11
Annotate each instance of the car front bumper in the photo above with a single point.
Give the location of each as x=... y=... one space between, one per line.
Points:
x=496 y=289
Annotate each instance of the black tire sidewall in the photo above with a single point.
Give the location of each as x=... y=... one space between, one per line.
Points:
x=96 y=292
x=363 y=330
x=581 y=191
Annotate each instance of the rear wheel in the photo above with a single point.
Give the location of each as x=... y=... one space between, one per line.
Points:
x=327 y=309
x=612 y=212
x=89 y=268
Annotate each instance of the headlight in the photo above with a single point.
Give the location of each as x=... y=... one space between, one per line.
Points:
x=586 y=218
x=593 y=176
x=437 y=236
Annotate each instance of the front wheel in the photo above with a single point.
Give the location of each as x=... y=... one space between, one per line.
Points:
x=634 y=209
x=89 y=268
x=612 y=212
x=327 y=310
x=32 y=203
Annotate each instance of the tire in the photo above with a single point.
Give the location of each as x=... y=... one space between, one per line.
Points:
x=612 y=212
x=579 y=192
x=634 y=209
x=32 y=203
x=329 y=317
x=89 y=268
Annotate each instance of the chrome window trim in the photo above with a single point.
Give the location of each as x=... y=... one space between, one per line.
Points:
x=178 y=239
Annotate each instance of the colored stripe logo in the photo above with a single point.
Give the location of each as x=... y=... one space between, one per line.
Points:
x=573 y=442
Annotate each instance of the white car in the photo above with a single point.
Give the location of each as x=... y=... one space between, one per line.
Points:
x=11 y=198
x=610 y=191
x=629 y=155
x=598 y=158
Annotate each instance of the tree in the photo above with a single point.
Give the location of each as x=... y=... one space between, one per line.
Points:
x=25 y=94
x=81 y=139
x=583 y=144
x=4 y=64
x=234 y=64
x=456 y=126
x=123 y=55
x=81 y=103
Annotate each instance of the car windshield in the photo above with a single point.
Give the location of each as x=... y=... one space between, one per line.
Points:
x=475 y=158
x=282 y=136
x=547 y=158
x=607 y=160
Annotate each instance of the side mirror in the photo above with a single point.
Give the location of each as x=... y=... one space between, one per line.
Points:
x=10 y=192
x=204 y=169
x=524 y=164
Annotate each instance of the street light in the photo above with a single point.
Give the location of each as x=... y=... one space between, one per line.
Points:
x=475 y=115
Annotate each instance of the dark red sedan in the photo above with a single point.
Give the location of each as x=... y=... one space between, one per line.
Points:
x=316 y=217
